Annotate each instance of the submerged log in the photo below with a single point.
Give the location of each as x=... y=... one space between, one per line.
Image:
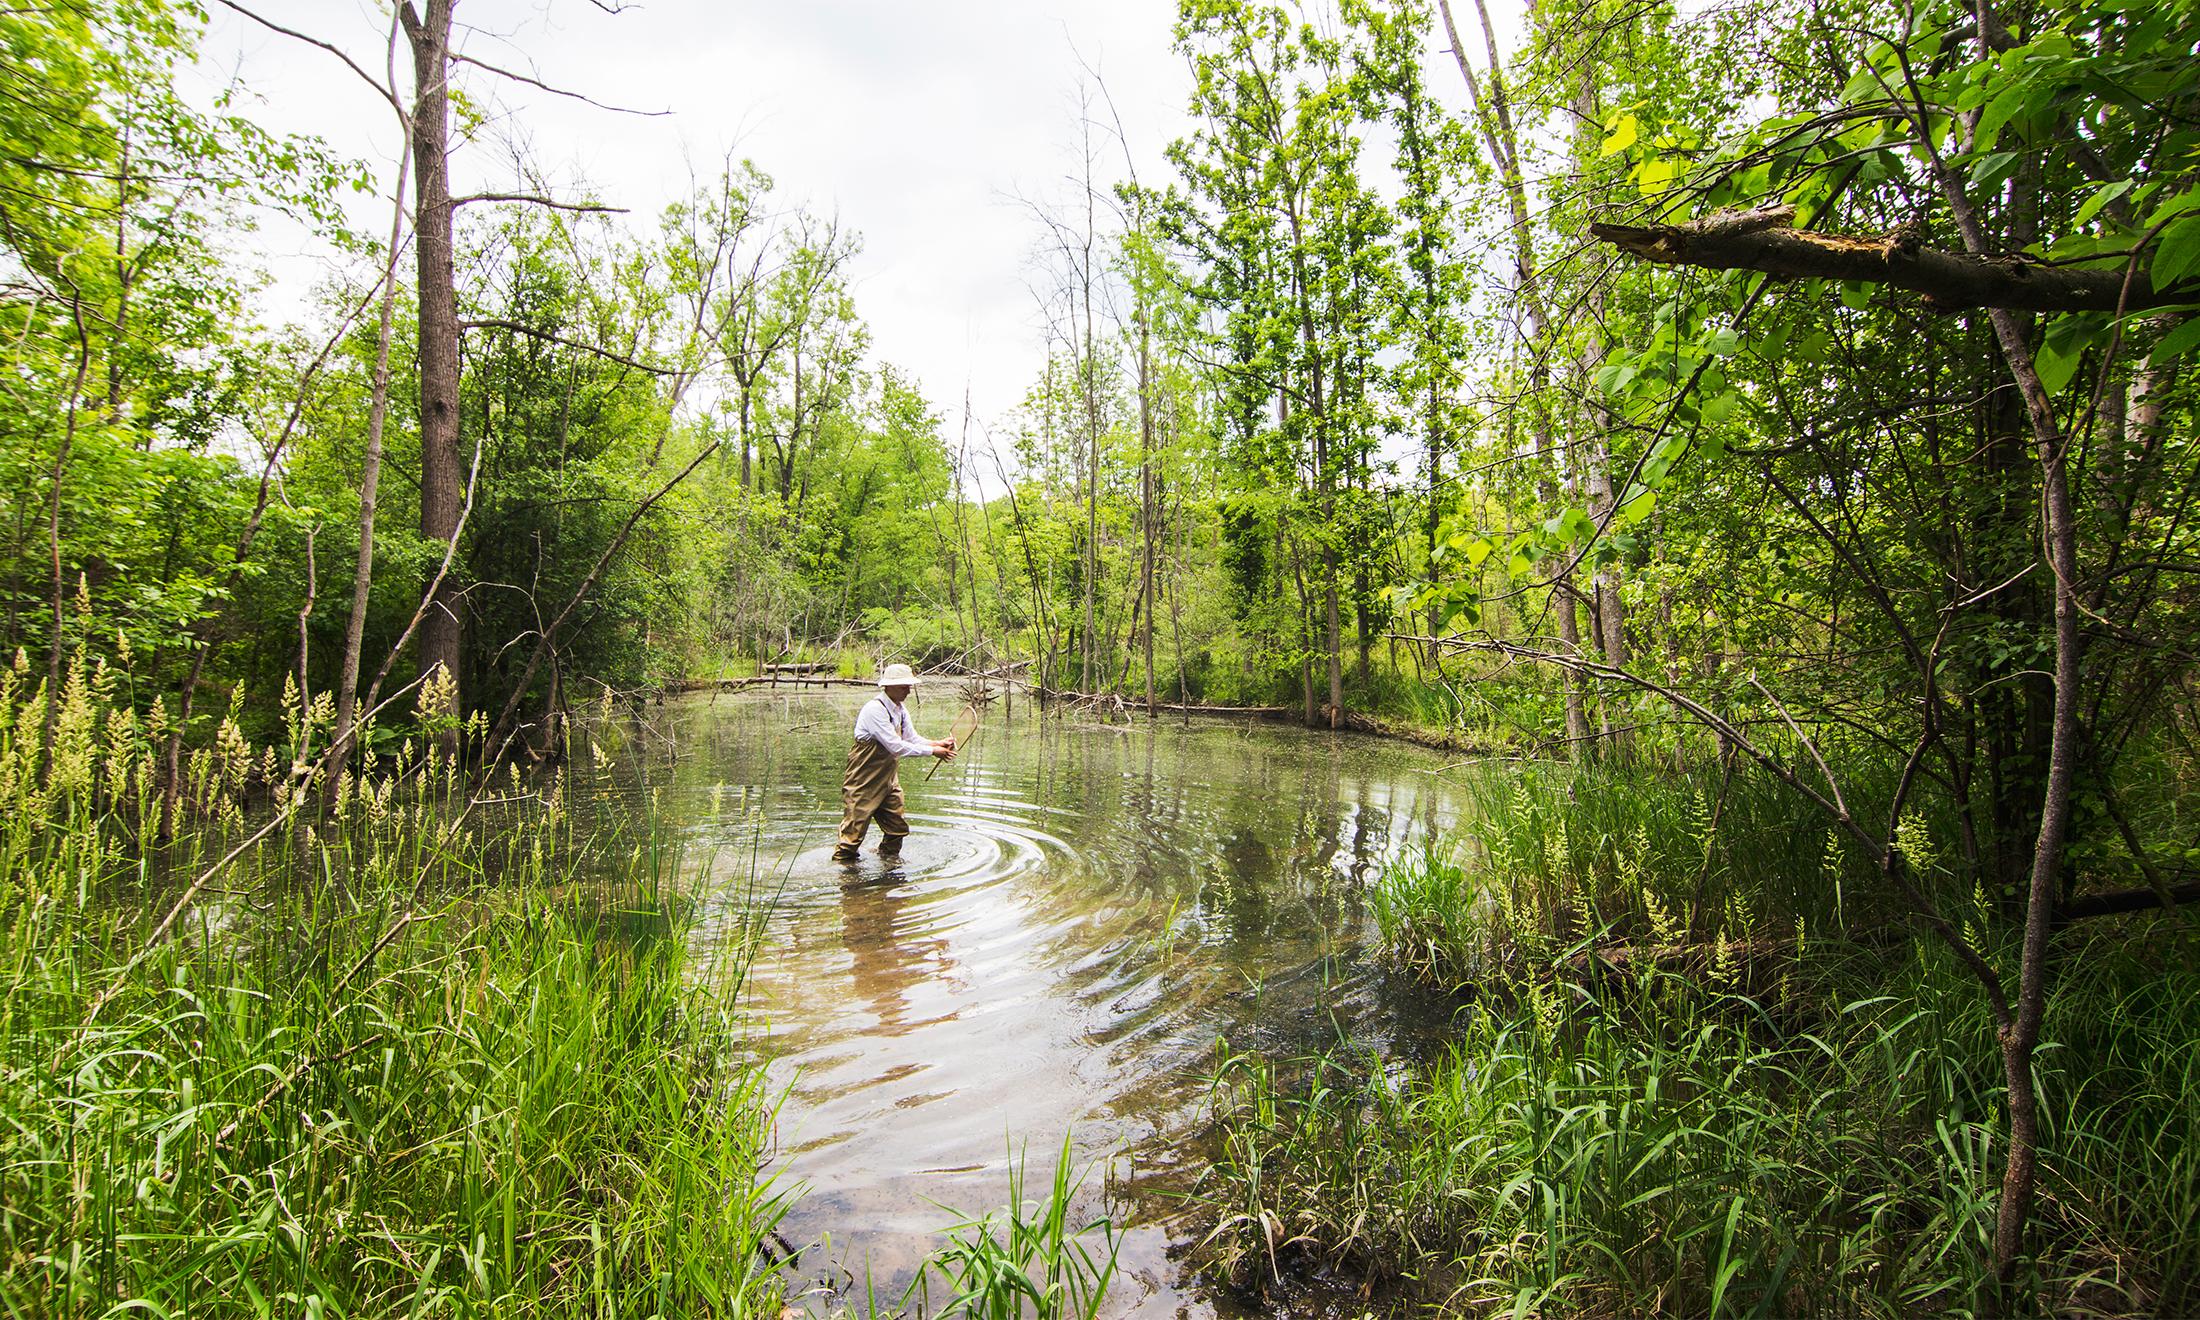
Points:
x=1074 y=697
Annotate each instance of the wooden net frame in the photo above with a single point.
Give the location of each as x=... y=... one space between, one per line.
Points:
x=965 y=729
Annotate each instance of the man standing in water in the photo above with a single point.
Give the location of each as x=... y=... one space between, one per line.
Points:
x=872 y=788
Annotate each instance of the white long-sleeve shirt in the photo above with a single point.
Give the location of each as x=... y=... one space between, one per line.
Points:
x=886 y=722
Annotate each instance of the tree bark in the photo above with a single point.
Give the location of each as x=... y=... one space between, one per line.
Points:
x=1761 y=240
x=370 y=480
x=1610 y=609
x=1493 y=113
x=429 y=34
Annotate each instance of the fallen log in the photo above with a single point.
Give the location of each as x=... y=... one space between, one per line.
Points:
x=1443 y=740
x=1072 y=696
x=1762 y=240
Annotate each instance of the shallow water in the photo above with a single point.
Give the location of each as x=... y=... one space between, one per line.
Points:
x=1081 y=912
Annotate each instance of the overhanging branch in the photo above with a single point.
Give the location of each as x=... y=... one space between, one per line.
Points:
x=533 y=199
x=515 y=327
x=2125 y=900
x=1762 y=240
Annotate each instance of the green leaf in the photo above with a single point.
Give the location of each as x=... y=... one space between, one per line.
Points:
x=1622 y=135
x=2176 y=205
x=1479 y=551
x=1657 y=175
x=1856 y=295
x=2056 y=366
x=1989 y=170
x=2101 y=197
x=2176 y=343
x=2061 y=349
x=1638 y=508
x=2175 y=255
x=2008 y=105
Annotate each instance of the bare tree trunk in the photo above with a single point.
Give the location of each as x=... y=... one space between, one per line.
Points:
x=1610 y=610
x=370 y=480
x=1091 y=379
x=1493 y=112
x=53 y=532
x=1148 y=486
x=2021 y=1032
x=441 y=634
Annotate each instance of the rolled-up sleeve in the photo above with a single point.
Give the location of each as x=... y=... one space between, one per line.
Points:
x=886 y=724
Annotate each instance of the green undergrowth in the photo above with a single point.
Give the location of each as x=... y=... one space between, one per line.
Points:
x=1696 y=1071
x=1649 y=1147
x=438 y=1052
x=1550 y=858
x=1028 y=1258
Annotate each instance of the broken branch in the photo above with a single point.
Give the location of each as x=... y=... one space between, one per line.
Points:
x=1761 y=240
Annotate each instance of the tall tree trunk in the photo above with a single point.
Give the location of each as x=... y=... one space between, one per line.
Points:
x=370 y=480
x=1324 y=475
x=1148 y=486
x=2020 y=1034
x=1610 y=610
x=1493 y=112
x=1091 y=381
x=441 y=476
x=1432 y=478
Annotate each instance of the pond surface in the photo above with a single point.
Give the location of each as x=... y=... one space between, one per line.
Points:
x=1081 y=912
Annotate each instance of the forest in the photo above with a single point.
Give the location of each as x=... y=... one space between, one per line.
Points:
x=1762 y=430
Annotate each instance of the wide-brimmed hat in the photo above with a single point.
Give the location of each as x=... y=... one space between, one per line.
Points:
x=896 y=676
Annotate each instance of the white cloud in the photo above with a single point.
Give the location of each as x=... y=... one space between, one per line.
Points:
x=916 y=123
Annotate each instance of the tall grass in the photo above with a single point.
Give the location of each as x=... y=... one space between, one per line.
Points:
x=1026 y=1259
x=1756 y=1116
x=410 y=1060
x=1652 y=1148
x=1551 y=857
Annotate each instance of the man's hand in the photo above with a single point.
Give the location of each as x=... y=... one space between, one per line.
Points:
x=944 y=749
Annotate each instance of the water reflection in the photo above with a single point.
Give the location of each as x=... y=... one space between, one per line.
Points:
x=887 y=951
x=1080 y=911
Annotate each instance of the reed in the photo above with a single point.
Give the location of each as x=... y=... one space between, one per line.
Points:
x=1552 y=858
x=413 y=1056
x=1024 y=1260
x=1809 y=1131
x=1657 y=1149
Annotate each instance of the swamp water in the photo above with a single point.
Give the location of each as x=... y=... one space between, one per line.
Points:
x=1081 y=911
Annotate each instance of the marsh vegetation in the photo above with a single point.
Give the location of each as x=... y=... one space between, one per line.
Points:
x=1758 y=436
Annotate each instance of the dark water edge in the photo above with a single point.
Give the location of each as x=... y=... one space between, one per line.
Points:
x=1082 y=914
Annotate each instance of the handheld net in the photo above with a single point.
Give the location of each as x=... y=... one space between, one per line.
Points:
x=965 y=729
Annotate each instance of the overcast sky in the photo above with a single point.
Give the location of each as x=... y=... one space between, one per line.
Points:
x=920 y=124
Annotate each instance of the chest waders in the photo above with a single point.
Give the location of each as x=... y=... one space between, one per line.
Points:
x=870 y=791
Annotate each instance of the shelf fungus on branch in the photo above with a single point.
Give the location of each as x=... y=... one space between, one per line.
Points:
x=1763 y=240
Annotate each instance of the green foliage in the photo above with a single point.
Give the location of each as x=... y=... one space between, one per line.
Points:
x=1027 y=1260
x=1651 y=1145
x=353 y=1079
x=1554 y=860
